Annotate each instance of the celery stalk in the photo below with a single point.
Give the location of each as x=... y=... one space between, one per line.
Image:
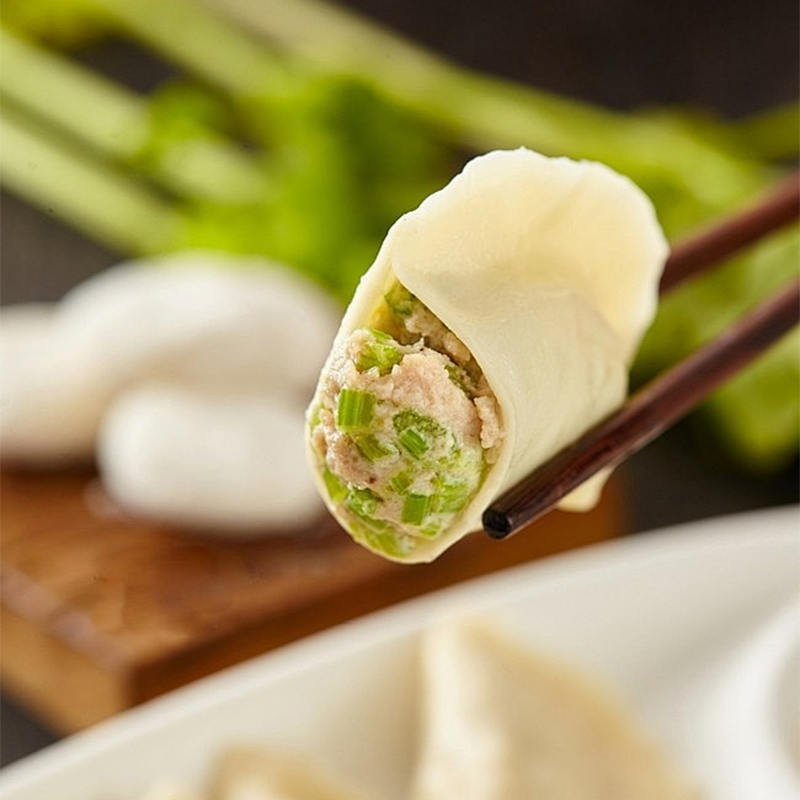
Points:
x=475 y=110
x=201 y=41
x=79 y=100
x=772 y=134
x=483 y=112
x=119 y=124
x=119 y=212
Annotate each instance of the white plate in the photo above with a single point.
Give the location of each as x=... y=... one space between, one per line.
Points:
x=689 y=624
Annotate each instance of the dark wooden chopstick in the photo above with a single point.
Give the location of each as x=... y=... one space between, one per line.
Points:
x=670 y=396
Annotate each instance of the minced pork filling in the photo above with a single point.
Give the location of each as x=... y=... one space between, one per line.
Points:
x=405 y=427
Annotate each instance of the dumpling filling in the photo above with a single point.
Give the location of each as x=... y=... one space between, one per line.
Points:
x=404 y=427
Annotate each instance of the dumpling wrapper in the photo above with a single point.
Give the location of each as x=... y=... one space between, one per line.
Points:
x=547 y=269
x=502 y=723
x=52 y=396
x=204 y=319
x=226 y=464
x=257 y=773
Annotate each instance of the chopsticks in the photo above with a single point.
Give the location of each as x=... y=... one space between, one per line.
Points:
x=671 y=395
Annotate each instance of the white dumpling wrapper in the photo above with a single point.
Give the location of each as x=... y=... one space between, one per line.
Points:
x=217 y=463
x=261 y=773
x=501 y=723
x=206 y=319
x=52 y=395
x=547 y=269
x=167 y=789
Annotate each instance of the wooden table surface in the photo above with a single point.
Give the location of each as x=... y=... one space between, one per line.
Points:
x=100 y=612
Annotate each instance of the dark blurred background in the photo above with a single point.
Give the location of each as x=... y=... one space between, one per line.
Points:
x=732 y=57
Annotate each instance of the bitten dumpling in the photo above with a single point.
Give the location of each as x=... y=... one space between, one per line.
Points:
x=496 y=325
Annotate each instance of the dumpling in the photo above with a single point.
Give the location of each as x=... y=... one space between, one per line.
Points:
x=497 y=324
x=501 y=723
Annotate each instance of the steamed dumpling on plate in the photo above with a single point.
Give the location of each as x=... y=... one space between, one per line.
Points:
x=502 y=723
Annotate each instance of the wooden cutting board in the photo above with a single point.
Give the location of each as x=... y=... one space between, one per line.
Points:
x=99 y=612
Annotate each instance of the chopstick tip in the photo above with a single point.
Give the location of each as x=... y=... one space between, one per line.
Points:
x=496 y=523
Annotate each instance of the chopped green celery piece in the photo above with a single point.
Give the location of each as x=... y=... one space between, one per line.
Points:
x=420 y=422
x=369 y=447
x=432 y=530
x=382 y=352
x=337 y=489
x=416 y=508
x=354 y=409
x=362 y=502
x=412 y=442
x=416 y=432
x=467 y=461
x=459 y=377
x=451 y=497
x=378 y=536
x=402 y=481
x=400 y=301
x=314 y=416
